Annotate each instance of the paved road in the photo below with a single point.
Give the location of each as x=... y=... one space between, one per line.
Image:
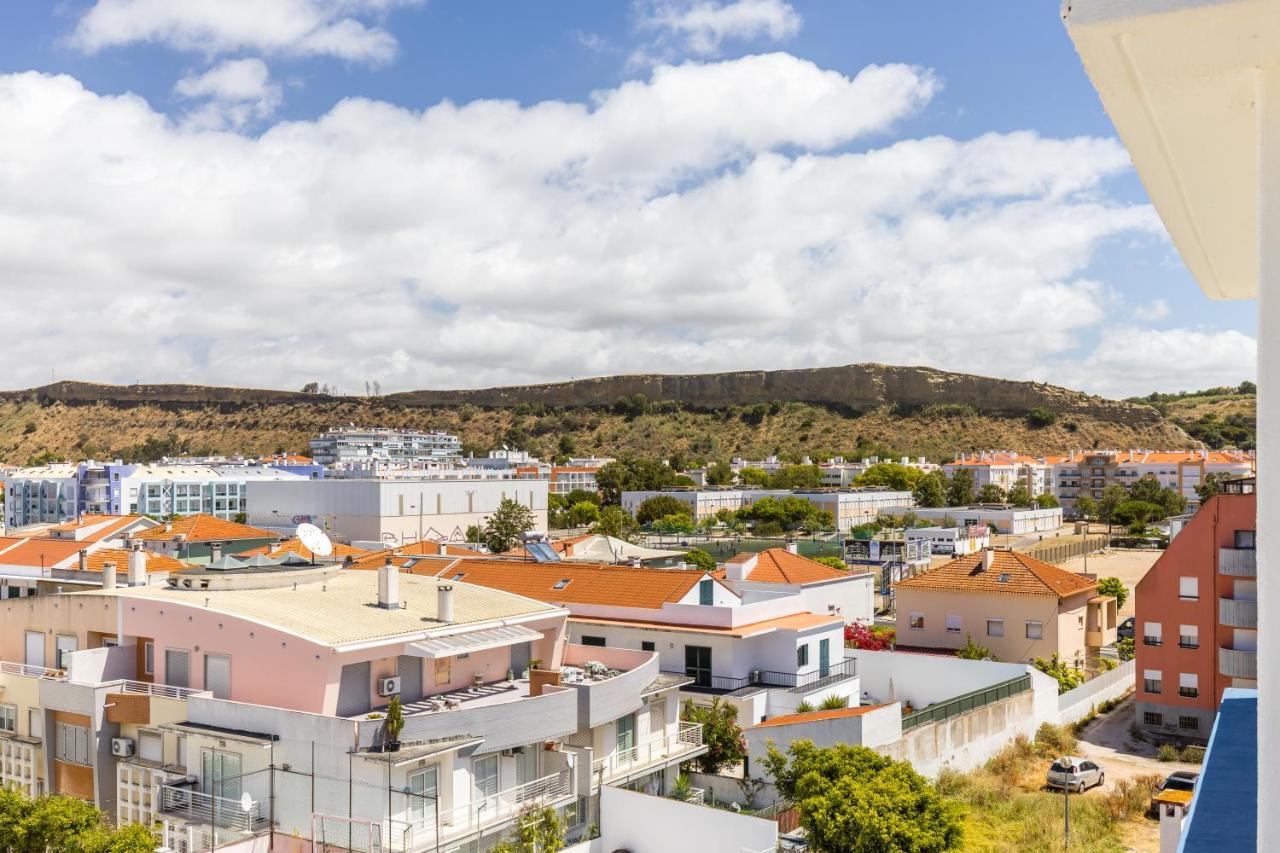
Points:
x=1108 y=742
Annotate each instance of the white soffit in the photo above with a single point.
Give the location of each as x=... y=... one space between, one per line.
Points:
x=1179 y=79
x=473 y=641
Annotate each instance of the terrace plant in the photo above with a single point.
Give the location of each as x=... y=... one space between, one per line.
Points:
x=394 y=724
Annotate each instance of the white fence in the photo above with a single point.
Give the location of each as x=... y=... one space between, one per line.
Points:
x=1075 y=704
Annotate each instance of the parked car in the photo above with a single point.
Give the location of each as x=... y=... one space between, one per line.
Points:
x=1074 y=774
x=1128 y=628
x=1180 y=780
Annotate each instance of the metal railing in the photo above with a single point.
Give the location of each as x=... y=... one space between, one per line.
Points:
x=836 y=672
x=940 y=711
x=193 y=806
x=1238 y=612
x=11 y=668
x=1238 y=562
x=653 y=751
x=486 y=812
x=168 y=691
x=1238 y=663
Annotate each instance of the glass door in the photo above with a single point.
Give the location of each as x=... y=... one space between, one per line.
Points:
x=626 y=741
x=221 y=774
x=486 y=777
x=824 y=658
x=697 y=664
x=423 y=790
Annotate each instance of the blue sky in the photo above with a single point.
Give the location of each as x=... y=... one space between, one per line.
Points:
x=237 y=228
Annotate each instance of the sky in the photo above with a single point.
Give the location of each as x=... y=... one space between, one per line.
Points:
x=453 y=194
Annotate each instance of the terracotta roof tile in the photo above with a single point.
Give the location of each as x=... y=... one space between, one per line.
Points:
x=815 y=716
x=1022 y=575
x=96 y=560
x=778 y=565
x=293 y=546
x=203 y=528
x=619 y=586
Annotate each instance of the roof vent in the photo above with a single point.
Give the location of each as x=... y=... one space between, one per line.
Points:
x=444 y=602
x=988 y=558
x=389 y=586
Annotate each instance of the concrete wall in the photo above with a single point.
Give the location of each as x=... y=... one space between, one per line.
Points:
x=644 y=824
x=876 y=728
x=602 y=701
x=925 y=680
x=552 y=715
x=968 y=740
x=1077 y=703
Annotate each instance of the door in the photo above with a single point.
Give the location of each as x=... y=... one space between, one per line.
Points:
x=521 y=654
x=33 y=648
x=626 y=731
x=177 y=668
x=409 y=668
x=217 y=675
x=442 y=671
x=485 y=771
x=353 y=690
x=526 y=765
x=63 y=647
x=221 y=773
x=697 y=664
x=824 y=658
x=657 y=718
x=423 y=790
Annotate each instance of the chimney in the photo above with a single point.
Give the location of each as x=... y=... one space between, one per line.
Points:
x=108 y=573
x=83 y=556
x=389 y=586
x=739 y=566
x=793 y=548
x=168 y=527
x=444 y=602
x=215 y=551
x=444 y=549
x=988 y=558
x=634 y=562
x=137 y=566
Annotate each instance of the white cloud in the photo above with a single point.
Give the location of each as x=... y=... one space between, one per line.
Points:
x=701 y=26
x=708 y=218
x=1156 y=309
x=1132 y=360
x=231 y=94
x=337 y=28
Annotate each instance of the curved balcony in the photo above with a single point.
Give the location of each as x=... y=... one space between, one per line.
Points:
x=1238 y=612
x=1238 y=562
x=1238 y=664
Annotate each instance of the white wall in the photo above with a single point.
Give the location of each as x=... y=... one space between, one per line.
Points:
x=927 y=679
x=872 y=729
x=1076 y=704
x=644 y=824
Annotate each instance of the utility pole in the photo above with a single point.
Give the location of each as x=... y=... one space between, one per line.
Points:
x=1066 y=813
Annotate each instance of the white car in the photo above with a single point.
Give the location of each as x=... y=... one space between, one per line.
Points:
x=1075 y=774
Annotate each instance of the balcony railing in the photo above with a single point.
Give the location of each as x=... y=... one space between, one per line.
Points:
x=10 y=668
x=168 y=691
x=657 y=750
x=796 y=682
x=1238 y=663
x=1238 y=612
x=486 y=812
x=187 y=804
x=967 y=702
x=1238 y=562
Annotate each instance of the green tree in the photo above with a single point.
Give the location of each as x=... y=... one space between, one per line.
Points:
x=577 y=496
x=719 y=474
x=833 y=562
x=616 y=522
x=1149 y=490
x=1019 y=495
x=1068 y=677
x=1125 y=648
x=583 y=513
x=538 y=829
x=1212 y=485
x=1041 y=417
x=1115 y=588
x=1112 y=497
x=972 y=651
x=796 y=477
x=502 y=529
x=700 y=559
x=1136 y=514
x=1047 y=501
x=632 y=474
x=753 y=477
x=931 y=490
x=990 y=493
x=660 y=506
x=674 y=523
x=1086 y=508
x=853 y=800
x=57 y=824
x=901 y=478
x=721 y=733
x=960 y=489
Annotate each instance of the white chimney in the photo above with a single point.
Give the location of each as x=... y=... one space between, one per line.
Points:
x=444 y=602
x=389 y=586
x=793 y=548
x=215 y=551
x=988 y=559
x=137 y=566
x=83 y=557
x=444 y=549
x=108 y=574
x=740 y=566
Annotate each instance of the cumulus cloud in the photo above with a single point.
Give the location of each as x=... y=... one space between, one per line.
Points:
x=1132 y=360
x=701 y=26
x=230 y=94
x=713 y=216
x=339 y=28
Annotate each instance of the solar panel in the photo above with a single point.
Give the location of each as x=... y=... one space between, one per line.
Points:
x=542 y=552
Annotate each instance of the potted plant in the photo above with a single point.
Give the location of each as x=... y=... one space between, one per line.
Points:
x=394 y=725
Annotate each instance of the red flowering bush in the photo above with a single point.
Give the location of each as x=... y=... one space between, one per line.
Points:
x=873 y=639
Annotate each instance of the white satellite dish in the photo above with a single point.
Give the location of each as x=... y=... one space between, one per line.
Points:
x=246 y=801
x=314 y=539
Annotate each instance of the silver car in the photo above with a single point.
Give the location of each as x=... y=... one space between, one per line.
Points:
x=1075 y=774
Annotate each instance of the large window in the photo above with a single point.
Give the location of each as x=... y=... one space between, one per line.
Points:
x=1188 y=588
x=995 y=627
x=1151 y=633
x=221 y=773
x=423 y=790
x=485 y=771
x=1152 y=681
x=71 y=743
x=697 y=664
x=1189 y=636
x=9 y=718
x=177 y=668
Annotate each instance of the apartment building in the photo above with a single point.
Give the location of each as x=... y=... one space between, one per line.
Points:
x=703 y=503
x=1005 y=469
x=1089 y=472
x=1197 y=618
x=562 y=479
x=838 y=472
x=1017 y=606
x=352 y=444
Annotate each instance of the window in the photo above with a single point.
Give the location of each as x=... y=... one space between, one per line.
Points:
x=1152 y=718
x=706 y=592
x=1188 y=685
x=221 y=773
x=180 y=758
x=626 y=735
x=647 y=646
x=9 y=718
x=561 y=584
x=151 y=747
x=1189 y=636
x=71 y=743
x=593 y=641
x=1151 y=633
x=802 y=655
x=917 y=622
x=1189 y=724
x=953 y=623
x=995 y=627
x=177 y=668
x=1151 y=680
x=485 y=772
x=35 y=722
x=1188 y=589
x=33 y=648
x=149 y=658
x=422 y=795
x=1035 y=630
x=1246 y=540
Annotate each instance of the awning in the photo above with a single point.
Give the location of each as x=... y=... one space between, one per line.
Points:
x=474 y=641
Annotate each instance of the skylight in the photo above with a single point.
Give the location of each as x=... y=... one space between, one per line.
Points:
x=1004 y=577
x=459 y=576
x=562 y=583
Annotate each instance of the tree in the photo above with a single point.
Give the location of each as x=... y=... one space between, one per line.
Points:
x=1112 y=497
x=753 y=477
x=311 y=388
x=931 y=490
x=580 y=495
x=1115 y=588
x=501 y=531
x=57 y=824
x=1212 y=485
x=616 y=522
x=1086 y=508
x=796 y=477
x=1068 y=677
x=990 y=493
x=719 y=474
x=1041 y=417
x=1149 y=490
x=583 y=513
x=1136 y=514
x=700 y=559
x=721 y=733
x=972 y=651
x=901 y=478
x=632 y=474
x=660 y=506
x=1047 y=501
x=1019 y=495
x=833 y=562
x=960 y=489
x=674 y=523
x=788 y=513
x=1125 y=648
x=538 y=829
x=853 y=800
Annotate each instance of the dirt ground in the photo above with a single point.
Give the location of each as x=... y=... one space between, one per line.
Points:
x=1129 y=566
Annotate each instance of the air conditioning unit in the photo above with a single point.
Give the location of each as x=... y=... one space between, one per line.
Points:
x=122 y=747
x=389 y=686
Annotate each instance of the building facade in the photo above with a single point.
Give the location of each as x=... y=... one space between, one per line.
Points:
x=351 y=444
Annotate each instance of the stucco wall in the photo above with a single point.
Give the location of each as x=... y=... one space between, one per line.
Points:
x=1061 y=629
x=645 y=824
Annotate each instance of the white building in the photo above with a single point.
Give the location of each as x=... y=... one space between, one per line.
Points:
x=1005 y=519
x=387 y=513
x=356 y=444
x=46 y=494
x=853 y=507
x=956 y=541
x=838 y=472
x=1088 y=472
x=1006 y=470
x=848 y=507
x=703 y=503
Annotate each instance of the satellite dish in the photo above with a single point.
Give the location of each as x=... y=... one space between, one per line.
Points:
x=246 y=801
x=314 y=540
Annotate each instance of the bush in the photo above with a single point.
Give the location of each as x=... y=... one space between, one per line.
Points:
x=1130 y=798
x=1013 y=762
x=804 y=707
x=699 y=559
x=1168 y=752
x=833 y=702
x=1055 y=740
x=1192 y=754
x=1107 y=664
x=1041 y=417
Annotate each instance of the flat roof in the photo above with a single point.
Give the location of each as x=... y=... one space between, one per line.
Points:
x=1224 y=813
x=795 y=622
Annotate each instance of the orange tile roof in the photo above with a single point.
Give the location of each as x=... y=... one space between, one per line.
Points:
x=778 y=565
x=1025 y=576
x=437 y=549
x=815 y=716
x=203 y=528
x=293 y=546
x=95 y=561
x=36 y=551
x=618 y=586
x=794 y=622
x=997 y=459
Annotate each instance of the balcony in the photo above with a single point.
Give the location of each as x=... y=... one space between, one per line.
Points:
x=1238 y=562
x=185 y=804
x=650 y=754
x=1238 y=612
x=1238 y=663
x=764 y=678
x=604 y=697
x=480 y=815
x=27 y=671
